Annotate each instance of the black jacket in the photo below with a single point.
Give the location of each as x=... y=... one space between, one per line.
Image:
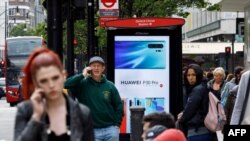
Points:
x=27 y=129
x=196 y=107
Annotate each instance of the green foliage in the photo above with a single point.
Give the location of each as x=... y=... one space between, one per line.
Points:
x=155 y=8
x=102 y=37
x=81 y=36
x=40 y=30
x=127 y=9
x=162 y=8
x=21 y=30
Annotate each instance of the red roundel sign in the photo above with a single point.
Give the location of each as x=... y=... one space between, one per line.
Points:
x=108 y=3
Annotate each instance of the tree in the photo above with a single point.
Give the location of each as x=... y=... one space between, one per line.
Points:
x=155 y=8
x=128 y=8
x=162 y=8
x=41 y=30
x=21 y=30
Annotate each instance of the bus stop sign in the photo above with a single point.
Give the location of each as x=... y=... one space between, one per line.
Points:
x=108 y=3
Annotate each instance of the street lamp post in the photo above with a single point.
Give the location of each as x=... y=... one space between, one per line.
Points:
x=233 y=39
x=91 y=30
x=5 y=17
x=5 y=20
x=54 y=29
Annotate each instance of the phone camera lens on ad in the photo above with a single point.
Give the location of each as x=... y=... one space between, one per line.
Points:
x=155 y=45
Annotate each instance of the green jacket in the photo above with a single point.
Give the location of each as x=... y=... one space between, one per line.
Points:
x=101 y=97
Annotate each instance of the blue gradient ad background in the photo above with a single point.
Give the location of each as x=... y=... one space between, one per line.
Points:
x=138 y=55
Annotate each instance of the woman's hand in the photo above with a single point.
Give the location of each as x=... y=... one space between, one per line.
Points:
x=38 y=103
x=179 y=115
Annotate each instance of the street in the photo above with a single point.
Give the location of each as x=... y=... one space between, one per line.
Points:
x=7 y=116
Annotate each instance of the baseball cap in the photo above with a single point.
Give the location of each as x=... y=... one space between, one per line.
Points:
x=154 y=132
x=96 y=59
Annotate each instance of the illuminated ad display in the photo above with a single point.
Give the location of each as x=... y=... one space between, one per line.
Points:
x=142 y=72
x=144 y=60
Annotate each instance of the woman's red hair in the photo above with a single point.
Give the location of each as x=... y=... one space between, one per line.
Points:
x=40 y=57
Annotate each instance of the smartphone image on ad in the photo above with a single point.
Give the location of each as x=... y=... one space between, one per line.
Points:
x=140 y=54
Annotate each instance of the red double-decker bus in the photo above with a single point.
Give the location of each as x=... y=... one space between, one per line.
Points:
x=17 y=50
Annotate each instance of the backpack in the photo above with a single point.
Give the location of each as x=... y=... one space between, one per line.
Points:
x=215 y=118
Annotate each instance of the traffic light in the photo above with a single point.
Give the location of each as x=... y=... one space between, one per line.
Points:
x=228 y=51
x=75 y=41
x=78 y=9
x=1 y=64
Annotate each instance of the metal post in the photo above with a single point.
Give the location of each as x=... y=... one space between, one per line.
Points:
x=233 y=38
x=6 y=22
x=70 y=39
x=54 y=29
x=226 y=62
x=35 y=13
x=136 y=116
x=96 y=50
x=91 y=31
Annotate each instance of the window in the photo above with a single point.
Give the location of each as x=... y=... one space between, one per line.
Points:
x=12 y=12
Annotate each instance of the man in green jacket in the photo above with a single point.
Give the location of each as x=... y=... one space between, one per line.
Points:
x=101 y=96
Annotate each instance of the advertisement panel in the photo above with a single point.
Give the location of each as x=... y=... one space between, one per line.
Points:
x=142 y=69
x=145 y=63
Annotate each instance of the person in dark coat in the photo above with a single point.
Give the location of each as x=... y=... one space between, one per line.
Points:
x=230 y=102
x=192 y=117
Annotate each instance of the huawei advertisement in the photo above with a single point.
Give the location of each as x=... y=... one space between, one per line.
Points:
x=142 y=71
x=145 y=65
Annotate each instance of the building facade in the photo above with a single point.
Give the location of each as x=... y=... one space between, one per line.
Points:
x=242 y=6
x=28 y=12
x=207 y=26
x=211 y=27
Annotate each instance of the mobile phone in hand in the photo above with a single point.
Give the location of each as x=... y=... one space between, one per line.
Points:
x=42 y=93
x=89 y=71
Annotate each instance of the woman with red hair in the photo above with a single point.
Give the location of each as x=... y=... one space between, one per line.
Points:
x=47 y=114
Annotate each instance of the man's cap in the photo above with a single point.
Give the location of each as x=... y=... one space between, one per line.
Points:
x=154 y=131
x=96 y=59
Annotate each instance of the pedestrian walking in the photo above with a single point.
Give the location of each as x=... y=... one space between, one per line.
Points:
x=217 y=84
x=101 y=96
x=157 y=118
x=191 y=119
x=47 y=114
x=231 y=84
x=230 y=101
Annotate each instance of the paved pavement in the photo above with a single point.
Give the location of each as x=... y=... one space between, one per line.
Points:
x=7 y=117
